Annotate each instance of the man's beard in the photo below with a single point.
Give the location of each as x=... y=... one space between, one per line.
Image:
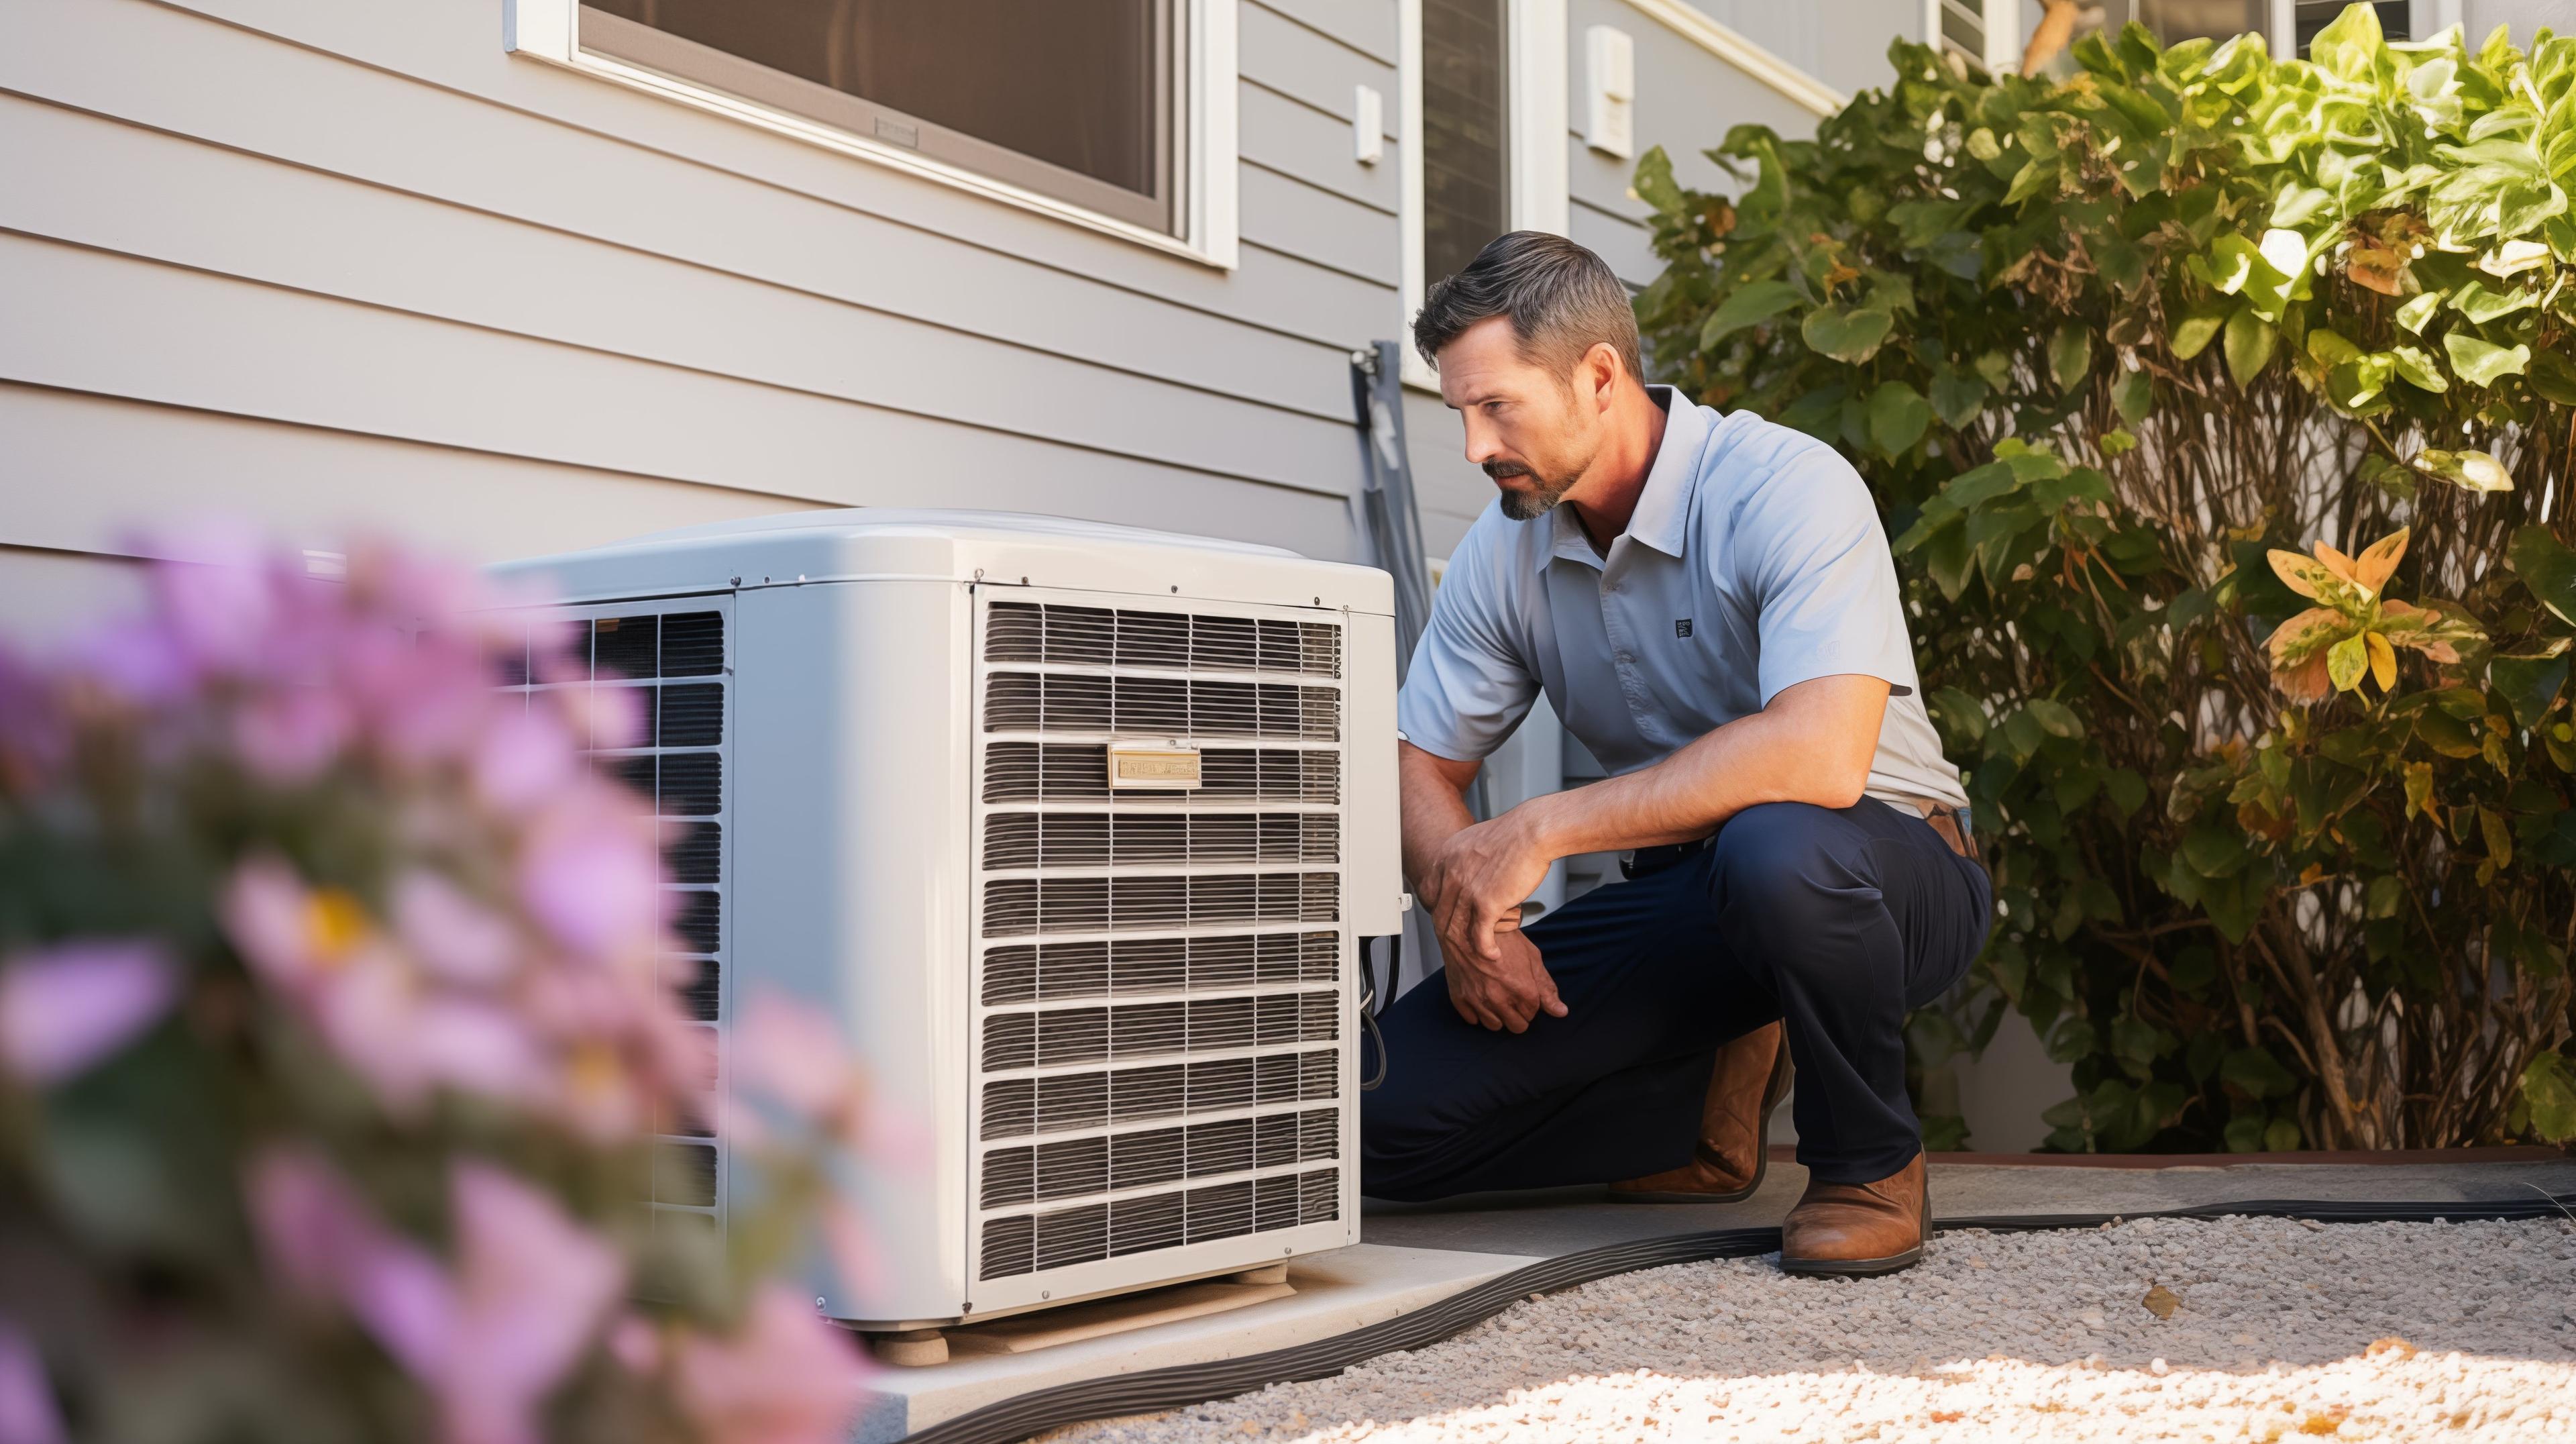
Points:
x=1529 y=505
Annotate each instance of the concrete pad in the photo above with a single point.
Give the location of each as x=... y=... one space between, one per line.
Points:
x=1337 y=1292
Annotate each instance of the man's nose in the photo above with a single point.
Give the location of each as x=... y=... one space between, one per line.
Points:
x=1483 y=444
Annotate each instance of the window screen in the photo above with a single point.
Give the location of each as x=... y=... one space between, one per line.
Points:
x=1071 y=98
x=1466 y=183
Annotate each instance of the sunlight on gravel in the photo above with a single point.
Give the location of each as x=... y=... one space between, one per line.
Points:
x=2267 y=1329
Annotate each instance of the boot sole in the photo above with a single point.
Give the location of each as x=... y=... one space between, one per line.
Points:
x=1772 y=1093
x=1852 y=1268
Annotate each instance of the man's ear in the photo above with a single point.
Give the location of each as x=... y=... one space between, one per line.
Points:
x=1601 y=371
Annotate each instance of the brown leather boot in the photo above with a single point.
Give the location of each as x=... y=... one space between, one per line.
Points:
x=1854 y=1230
x=1751 y=1074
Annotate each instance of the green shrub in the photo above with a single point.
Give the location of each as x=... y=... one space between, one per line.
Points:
x=2281 y=840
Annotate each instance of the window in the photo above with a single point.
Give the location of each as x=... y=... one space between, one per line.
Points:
x=1072 y=98
x=1466 y=126
x=1118 y=114
x=1959 y=27
x=2308 y=17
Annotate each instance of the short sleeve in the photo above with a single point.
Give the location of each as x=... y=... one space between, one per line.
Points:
x=1468 y=685
x=1822 y=577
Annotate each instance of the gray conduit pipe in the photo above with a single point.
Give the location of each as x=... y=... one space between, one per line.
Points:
x=1182 y=1385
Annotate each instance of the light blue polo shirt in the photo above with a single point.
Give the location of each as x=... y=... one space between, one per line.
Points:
x=1755 y=561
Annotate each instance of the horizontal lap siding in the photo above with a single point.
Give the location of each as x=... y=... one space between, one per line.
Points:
x=354 y=262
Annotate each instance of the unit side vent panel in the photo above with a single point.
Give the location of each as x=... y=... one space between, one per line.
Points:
x=1159 y=997
x=668 y=668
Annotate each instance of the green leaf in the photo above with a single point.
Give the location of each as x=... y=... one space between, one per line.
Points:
x=1654 y=182
x=2056 y=718
x=1957 y=397
x=2530 y=683
x=2482 y=305
x=2070 y=355
x=2356 y=383
x=2483 y=363
x=2197 y=329
x=2467 y=470
x=2553 y=377
x=2416 y=312
x=2134 y=394
x=1846 y=333
x=2118 y=441
x=2549 y=1092
x=2547 y=567
x=2126 y=789
x=2281 y=1135
x=2214 y=851
x=2418 y=369
x=1898 y=417
x=2257 y=1072
x=1961 y=711
x=1750 y=305
x=2249 y=344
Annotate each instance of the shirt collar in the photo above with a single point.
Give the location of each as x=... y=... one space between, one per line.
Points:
x=1663 y=508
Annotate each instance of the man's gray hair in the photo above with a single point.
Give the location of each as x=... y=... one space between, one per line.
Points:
x=1562 y=300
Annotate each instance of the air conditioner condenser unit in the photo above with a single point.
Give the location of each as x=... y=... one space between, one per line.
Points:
x=1072 y=829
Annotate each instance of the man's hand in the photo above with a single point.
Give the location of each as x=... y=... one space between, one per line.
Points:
x=1477 y=882
x=1506 y=992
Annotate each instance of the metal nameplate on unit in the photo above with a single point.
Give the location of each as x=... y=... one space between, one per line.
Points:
x=1165 y=767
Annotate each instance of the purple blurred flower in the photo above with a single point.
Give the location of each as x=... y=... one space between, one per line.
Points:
x=292 y=734
x=489 y=1339
x=533 y=1288
x=791 y=1051
x=27 y=1413
x=525 y=757
x=64 y=1009
x=592 y=877
x=787 y=1378
x=451 y=934
x=136 y=660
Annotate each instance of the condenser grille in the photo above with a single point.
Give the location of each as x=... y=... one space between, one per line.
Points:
x=1034 y=1242
x=1015 y=906
x=1054 y=1037
x=1159 y=986
x=1017 y=840
x=1065 y=1102
x=1173 y=641
x=1044 y=972
x=668 y=666
x=1079 y=772
x=1158 y=706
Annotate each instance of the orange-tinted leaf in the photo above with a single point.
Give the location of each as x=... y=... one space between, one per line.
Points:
x=2311 y=631
x=2378 y=562
x=2383 y=661
x=2300 y=574
x=2306 y=682
x=2336 y=562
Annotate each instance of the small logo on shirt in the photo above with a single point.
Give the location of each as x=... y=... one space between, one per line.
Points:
x=1681 y=626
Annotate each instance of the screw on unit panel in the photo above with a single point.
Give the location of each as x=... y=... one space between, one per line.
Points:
x=818 y=1301
x=1024 y=581
x=1176 y=591
x=1046 y=1293
x=737 y=581
x=979 y=574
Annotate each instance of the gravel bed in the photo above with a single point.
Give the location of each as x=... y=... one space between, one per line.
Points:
x=2228 y=1329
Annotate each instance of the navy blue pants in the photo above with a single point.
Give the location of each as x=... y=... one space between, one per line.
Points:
x=1839 y=921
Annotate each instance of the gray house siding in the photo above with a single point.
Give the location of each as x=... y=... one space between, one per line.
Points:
x=344 y=266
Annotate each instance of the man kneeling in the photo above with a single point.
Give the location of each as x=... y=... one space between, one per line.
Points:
x=1709 y=602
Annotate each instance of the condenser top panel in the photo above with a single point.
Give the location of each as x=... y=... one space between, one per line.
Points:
x=996 y=547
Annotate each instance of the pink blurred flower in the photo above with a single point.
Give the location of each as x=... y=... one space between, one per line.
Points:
x=524 y=759
x=64 y=1009
x=489 y=1339
x=292 y=734
x=787 y=1378
x=136 y=660
x=27 y=1413
x=593 y=879
x=791 y=1051
x=218 y=592
x=452 y=935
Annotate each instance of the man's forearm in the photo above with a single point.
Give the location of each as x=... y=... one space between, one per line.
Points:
x=1434 y=810
x=1817 y=753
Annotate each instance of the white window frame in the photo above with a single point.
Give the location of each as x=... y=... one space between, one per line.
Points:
x=1210 y=230
x=1534 y=102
